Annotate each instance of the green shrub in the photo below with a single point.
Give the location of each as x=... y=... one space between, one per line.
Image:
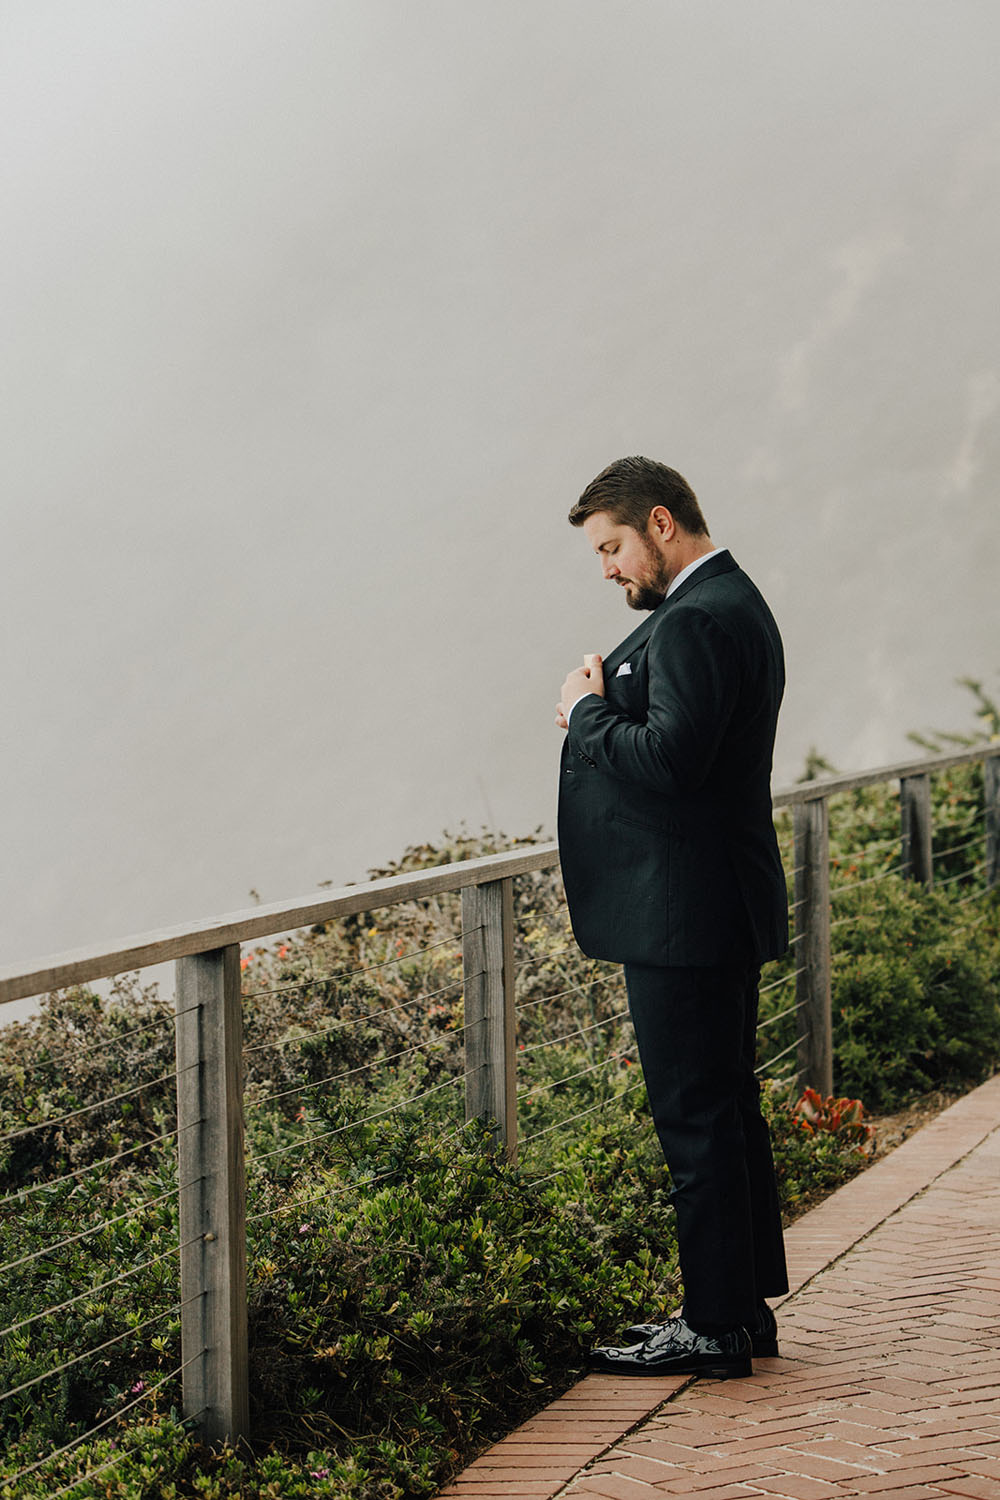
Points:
x=915 y=993
x=915 y=974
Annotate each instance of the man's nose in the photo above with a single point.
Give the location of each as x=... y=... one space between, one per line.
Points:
x=609 y=567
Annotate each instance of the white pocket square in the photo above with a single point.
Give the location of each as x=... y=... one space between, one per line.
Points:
x=625 y=670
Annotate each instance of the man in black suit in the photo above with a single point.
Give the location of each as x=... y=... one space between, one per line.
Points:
x=671 y=868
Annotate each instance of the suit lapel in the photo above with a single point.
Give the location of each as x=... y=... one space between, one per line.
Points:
x=631 y=643
x=722 y=562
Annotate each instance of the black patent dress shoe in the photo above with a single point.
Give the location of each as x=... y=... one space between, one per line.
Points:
x=763 y=1333
x=676 y=1349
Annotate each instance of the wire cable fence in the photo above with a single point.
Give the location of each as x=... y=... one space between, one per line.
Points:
x=433 y=999
x=73 y=1336
x=406 y=1051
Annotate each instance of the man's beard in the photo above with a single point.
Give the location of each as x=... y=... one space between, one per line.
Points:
x=644 y=596
x=651 y=594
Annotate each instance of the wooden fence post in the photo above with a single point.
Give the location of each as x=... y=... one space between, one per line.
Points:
x=212 y=1192
x=490 y=1022
x=812 y=928
x=991 y=798
x=916 y=829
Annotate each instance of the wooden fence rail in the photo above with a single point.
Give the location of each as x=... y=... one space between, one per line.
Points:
x=209 y=1031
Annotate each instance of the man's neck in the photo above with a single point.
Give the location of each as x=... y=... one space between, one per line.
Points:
x=682 y=574
x=688 y=550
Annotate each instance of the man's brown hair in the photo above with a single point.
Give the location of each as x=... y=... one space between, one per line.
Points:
x=630 y=488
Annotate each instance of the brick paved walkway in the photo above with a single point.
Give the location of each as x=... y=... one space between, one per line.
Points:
x=889 y=1378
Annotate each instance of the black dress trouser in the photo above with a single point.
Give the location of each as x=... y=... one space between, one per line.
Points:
x=696 y=1031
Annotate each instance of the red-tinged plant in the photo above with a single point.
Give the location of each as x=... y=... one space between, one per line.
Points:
x=843 y=1117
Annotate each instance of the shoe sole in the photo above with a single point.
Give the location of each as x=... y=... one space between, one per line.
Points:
x=707 y=1368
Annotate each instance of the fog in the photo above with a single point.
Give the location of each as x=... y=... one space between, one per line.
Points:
x=318 y=318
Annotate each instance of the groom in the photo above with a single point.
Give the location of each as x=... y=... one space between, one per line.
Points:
x=671 y=867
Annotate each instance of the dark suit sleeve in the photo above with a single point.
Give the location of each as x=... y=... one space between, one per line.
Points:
x=693 y=687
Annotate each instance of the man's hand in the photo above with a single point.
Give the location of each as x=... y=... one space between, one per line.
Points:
x=583 y=680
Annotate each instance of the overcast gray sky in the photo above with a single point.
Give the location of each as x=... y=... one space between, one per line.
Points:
x=318 y=317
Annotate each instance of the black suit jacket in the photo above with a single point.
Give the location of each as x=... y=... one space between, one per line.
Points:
x=666 y=836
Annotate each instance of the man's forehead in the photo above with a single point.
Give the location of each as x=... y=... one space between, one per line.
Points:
x=601 y=529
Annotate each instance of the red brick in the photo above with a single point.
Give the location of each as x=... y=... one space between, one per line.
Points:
x=633 y=1467
x=465 y=1490
x=929 y=1475
x=909 y=1491
x=798 y=1487
x=721 y=1492
x=612 y=1485
x=977 y=1487
x=661 y=1448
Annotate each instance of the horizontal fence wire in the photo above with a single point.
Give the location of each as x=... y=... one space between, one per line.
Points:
x=574 y=989
x=868 y=851
x=123 y=1036
x=83 y=1234
x=92 y=1167
x=385 y=963
x=539 y=958
x=160 y=1317
x=569 y=1120
x=854 y=918
x=327 y=1194
x=372 y=1016
x=976 y=895
x=93 y=1431
x=777 y=983
x=569 y=1035
x=763 y=1067
x=975 y=871
x=92 y=1291
x=87 y=1109
x=381 y=1114
x=959 y=848
x=544 y=1088
x=368 y=1067
x=788 y=1011
x=853 y=885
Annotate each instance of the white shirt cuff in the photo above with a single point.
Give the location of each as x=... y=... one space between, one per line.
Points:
x=579 y=700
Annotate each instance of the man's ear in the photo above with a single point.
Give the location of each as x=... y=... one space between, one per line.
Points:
x=661 y=525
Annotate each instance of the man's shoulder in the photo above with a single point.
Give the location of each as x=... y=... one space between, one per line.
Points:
x=721 y=595
x=717 y=583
